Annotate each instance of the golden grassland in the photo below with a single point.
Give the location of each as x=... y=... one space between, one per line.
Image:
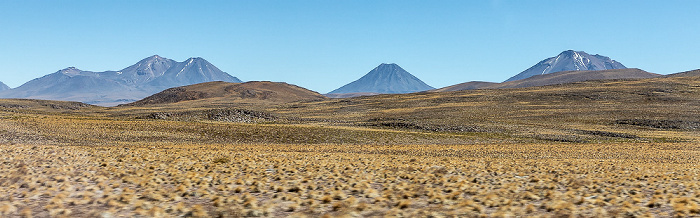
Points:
x=647 y=110
x=594 y=149
x=561 y=110
x=155 y=180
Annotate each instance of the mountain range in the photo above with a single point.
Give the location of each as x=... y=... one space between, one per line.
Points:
x=569 y=61
x=385 y=79
x=154 y=74
x=109 y=88
x=3 y=86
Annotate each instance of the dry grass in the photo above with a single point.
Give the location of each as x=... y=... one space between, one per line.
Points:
x=569 y=112
x=599 y=149
x=285 y=180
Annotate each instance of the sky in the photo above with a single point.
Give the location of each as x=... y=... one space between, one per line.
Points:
x=322 y=45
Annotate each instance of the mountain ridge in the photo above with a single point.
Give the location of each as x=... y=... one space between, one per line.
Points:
x=109 y=88
x=3 y=87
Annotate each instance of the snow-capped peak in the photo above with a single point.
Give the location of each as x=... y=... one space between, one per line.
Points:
x=567 y=61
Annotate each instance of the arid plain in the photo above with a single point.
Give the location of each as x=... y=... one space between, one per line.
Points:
x=623 y=148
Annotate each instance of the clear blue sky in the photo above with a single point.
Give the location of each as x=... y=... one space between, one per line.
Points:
x=322 y=45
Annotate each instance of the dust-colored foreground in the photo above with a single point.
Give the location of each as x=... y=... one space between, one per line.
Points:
x=587 y=180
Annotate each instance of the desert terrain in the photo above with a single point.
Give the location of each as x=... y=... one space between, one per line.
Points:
x=604 y=148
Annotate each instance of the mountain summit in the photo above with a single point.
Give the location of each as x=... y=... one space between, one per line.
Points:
x=146 y=70
x=191 y=71
x=385 y=79
x=569 y=61
x=146 y=77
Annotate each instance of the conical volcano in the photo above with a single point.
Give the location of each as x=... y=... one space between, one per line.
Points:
x=385 y=79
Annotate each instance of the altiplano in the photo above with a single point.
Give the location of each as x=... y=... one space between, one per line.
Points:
x=591 y=149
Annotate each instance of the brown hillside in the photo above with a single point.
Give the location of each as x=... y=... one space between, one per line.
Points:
x=43 y=105
x=576 y=112
x=263 y=91
x=576 y=76
x=350 y=95
x=556 y=78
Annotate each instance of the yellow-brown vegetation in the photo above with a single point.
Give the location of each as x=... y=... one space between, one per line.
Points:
x=537 y=153
x=579 y=183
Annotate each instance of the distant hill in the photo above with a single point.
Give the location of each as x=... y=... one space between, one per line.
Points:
x=3 y=87
x=685 y=74
x=351 y=95
x=109 y=88
x=273 y=92
x=44 y=105
x=385 y=79
x=569 y=61
x=555 y=78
